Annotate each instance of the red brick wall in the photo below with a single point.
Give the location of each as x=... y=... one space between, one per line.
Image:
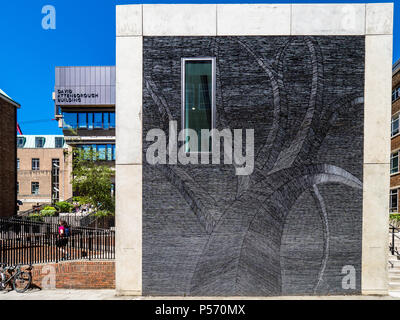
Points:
x=395 y=143
x=8 y=196
x=77 y=275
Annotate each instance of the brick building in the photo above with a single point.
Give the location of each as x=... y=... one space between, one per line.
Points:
x=44 y=170
x=8 y=129
x=395 y=140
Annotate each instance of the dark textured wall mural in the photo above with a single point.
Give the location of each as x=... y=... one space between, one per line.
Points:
x=295 y=222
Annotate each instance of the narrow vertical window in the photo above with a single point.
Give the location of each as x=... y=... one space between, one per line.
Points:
x=55 y=179
x=394 y=200
x=98 y=120
x=35 y=164
x=112 y=120
x=394 y=162
x=17 y=163
x=82 y=121
x=198 y=98
x=106 y=120
x=395 y=125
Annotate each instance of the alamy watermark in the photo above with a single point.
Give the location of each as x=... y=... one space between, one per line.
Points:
x=49 y=20
x=349 y=280
x=190 y=153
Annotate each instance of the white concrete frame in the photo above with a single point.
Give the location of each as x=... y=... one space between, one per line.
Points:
x=374 y=21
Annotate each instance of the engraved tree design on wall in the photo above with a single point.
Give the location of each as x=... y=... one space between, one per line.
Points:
x=242 y=251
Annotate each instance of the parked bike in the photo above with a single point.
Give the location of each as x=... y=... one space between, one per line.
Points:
x=13 y=275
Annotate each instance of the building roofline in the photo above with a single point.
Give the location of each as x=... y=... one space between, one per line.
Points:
x=5 y=97
x=396 y=67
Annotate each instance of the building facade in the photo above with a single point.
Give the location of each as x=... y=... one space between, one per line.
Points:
x=84 y=100
x=44 y=170
x=8 y=155
x=307 y=90
x=395 y=141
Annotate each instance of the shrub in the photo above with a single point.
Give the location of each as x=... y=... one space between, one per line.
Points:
x=103 y=213
x=395 y=216
x=64 y=206
x=48 y=213
x=49 y=208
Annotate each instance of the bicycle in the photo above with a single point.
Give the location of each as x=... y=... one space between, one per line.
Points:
x=20 y=280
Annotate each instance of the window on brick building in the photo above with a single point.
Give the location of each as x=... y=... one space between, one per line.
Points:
x=35 y=164
x=395 y=94
x=395 y=125
x=35 y=187
x=17 y=187
x=17 y=163
x=393 y=205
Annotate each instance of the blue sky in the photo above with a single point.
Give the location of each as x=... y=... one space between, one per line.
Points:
x=84 y=35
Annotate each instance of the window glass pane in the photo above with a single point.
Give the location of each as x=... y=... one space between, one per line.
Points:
x=70 y=120
x=113 y=151
x=86 y=152
x=35 y=187
x=98 y=120
x=394 y=163
x=198 y=99
x=20 y=142
x=106 y=121
x=90 y=121
x=102 y=152
x=82 y=122
x=59 y=142
x=393 y=200
x=112 y=119
x=39 y=142
x=109 y=152
x=395 y=125
x=94 y=152
x=35 y=164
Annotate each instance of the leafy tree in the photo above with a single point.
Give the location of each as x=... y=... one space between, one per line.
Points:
x=92 y=180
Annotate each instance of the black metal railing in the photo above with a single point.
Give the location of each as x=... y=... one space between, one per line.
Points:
x=88 y=221
x=394 y=237
x=30 y=242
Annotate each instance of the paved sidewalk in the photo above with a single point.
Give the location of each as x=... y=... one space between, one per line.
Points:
x=65 y=294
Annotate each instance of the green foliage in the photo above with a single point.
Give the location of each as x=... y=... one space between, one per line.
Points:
x=77 y=199
x=64 y=206
x=92 y=181
x=103 y=213
x=394 y=217
x=48 y=208
x=48 y=211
